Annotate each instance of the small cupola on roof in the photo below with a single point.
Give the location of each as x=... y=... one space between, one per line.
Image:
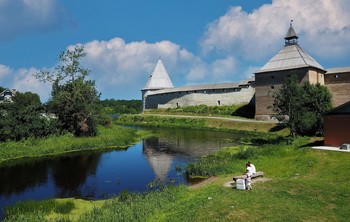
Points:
x=291 y=37
x=159 y=78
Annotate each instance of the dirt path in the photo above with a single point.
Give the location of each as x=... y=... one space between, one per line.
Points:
x=229 y=183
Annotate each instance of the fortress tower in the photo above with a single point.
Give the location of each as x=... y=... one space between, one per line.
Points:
x=158 y=79
x=291 y=59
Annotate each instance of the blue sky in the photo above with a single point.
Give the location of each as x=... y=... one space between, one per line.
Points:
x=199 y=42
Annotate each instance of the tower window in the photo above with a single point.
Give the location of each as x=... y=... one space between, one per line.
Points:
x=272 y=87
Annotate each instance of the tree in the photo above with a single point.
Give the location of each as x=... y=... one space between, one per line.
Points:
x=300 y=107
x=23 y=118
x=74 y=99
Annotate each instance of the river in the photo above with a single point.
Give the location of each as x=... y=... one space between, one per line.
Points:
x=101 y=175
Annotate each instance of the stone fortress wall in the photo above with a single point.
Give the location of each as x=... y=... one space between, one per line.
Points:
x=210 y=95
x=337 y=80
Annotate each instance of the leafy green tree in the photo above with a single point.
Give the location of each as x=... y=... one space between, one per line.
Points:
x=300 y=107
x=24 y=118
x=74 y=99
x=111 y=106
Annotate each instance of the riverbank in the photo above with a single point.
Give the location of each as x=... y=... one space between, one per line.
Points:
x=114 y=137
x=303 y=185
x=201 y=122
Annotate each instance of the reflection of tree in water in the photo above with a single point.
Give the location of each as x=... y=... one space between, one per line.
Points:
x=18 y=178
x=70 y=173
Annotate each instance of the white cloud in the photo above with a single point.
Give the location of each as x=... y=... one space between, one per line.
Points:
x=197 y=73
x=23 y=81
x=25 y=16
x=322 y=25
x=222 y=69
x=249 y=71
x=4 y=72
x=122 y=69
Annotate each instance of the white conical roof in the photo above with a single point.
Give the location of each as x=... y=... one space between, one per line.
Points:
x=159 y=78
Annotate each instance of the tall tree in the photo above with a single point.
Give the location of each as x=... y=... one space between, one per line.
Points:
x=300 y=107
x=74 y=99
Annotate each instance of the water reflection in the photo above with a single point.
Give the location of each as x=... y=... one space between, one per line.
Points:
x=67 y=174
x=70 y=173
x=98 y=175
x=182 y=144
x=15 y=180
x=159 y=157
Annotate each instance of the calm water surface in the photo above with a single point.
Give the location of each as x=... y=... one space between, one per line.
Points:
x=100 y=175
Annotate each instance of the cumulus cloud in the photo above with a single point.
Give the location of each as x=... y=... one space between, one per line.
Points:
x=23 y=80
x=219 y=70
x=121 y=69
x=25 y=16
x=322 y=25
x=4 y=72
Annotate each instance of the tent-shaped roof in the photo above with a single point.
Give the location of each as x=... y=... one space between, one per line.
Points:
x=290 y=57
x=291 y=33
x=159 y=78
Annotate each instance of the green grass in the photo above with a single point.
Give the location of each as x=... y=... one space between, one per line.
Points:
x=107 y=138
x=159 y=121
x=301 y=185
x=239 y=110
x=198 y=123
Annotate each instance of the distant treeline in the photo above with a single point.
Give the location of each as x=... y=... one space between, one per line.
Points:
x=112 y=106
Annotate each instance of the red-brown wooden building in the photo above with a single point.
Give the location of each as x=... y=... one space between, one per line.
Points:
x=337 y=126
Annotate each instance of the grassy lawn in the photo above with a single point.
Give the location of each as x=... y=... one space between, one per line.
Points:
x=200 y=123
x=300 y=184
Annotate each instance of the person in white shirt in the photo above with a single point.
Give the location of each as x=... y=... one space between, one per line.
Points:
x=253 y=167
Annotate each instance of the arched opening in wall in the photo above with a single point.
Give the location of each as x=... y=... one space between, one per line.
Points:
x=218 y=102
x=177 y=104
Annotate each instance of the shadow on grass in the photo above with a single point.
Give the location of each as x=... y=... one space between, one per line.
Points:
x=314 y=143
x=275 y=140
x=277 y=128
